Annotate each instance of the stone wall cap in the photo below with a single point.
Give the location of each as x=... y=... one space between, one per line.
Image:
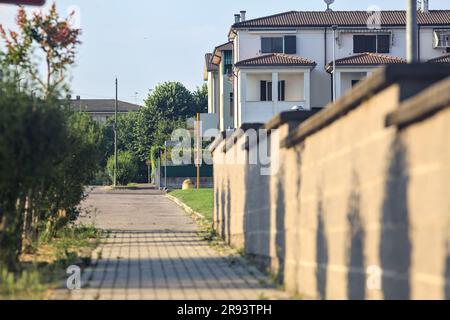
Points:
x=217 y=141
x=382 y=78
x=231 y=141
x=289 y=116
x=425 y=104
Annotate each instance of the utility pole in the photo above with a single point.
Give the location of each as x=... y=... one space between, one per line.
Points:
x=165 y=165
x=334 y=62
x=115 y=135
x=199 y=149
x=411 y=32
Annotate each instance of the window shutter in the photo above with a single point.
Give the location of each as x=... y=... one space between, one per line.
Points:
x=383 y=43
x=277 y=45
x=364 y=43
x=269 y=91
x=358 y=44
x=290 y=44
x=282 y=90
x=266 y=45
x=371 y=43
x=263 y=91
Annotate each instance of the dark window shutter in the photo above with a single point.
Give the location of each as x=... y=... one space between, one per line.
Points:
x=363 y=43
x=277 y=45
x=383 y=43
x=358 y=44
x=282 y=90
x=371 y=44
x=290 y=44
x=269 y=91
x=231 y=104
x=266 y=45
x=263 y=90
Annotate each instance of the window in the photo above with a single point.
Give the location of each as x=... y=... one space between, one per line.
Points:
x=272 y=45
x=441 y=39
x=372 y=43
x=286 y=44
x=383 y=43
x=290 y=44
x=266 y=91
x=227 y=62
x=448 y=50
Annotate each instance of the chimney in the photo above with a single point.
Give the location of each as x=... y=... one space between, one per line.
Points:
x=237 y=18
x=243 y=12
x=424 y=6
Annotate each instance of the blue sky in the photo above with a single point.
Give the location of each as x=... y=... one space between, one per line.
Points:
x=145 y=42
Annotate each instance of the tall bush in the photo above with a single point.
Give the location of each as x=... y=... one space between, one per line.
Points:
x=127 y=168
x=47 y=155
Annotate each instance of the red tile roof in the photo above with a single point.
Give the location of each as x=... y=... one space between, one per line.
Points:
x=208 y=63
x=217 y=53
x=343 y=18
x=225 y=46
x=274 y=60
x=443 y=59
x=365 y=59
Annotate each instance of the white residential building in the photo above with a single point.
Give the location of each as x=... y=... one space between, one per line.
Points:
x=286 y=60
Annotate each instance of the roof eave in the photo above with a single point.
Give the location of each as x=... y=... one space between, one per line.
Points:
x=297 y=26
x=329 y=68
x=311 y=66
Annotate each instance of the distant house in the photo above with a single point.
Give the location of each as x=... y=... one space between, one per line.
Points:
x=102 y=109
x=285 y=61
x=219 y=76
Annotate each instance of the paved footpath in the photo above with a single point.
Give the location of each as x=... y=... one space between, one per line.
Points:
x=154 y=251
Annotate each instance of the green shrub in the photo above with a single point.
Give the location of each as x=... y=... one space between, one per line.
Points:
x=47 y=156
x=127 y=168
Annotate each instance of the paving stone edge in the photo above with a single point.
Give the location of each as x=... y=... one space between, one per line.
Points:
x=185 y=207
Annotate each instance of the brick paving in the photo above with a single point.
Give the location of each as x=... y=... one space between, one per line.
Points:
x=154 y=251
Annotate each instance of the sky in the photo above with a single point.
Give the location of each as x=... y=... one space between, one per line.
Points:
x=147 y=42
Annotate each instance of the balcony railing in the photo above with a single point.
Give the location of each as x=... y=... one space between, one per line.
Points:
x=262 y=111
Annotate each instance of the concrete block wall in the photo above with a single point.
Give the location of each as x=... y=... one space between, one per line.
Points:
x=360 y=206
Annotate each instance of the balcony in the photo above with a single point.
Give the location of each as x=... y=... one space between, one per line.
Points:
x=261 y=111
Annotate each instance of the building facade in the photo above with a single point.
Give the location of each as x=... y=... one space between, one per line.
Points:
x=285 y=61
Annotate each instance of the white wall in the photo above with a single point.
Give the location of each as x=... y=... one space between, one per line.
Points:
x=253 y=85
x=294 y=90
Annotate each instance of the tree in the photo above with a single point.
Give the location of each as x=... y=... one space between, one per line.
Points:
x=171 y=100
x=164 y=129
x=126 y=125
x=200 y=96
x=53 y=35
x=167 y=109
